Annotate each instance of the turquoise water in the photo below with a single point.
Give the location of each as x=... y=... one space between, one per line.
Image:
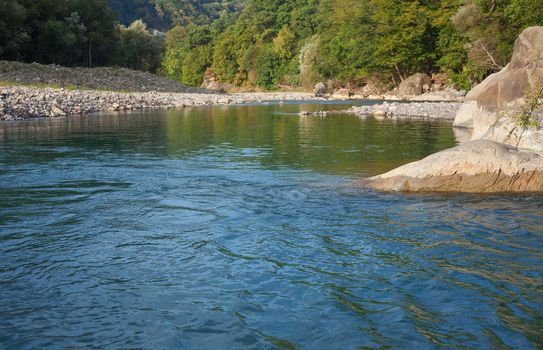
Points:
x=240 y=228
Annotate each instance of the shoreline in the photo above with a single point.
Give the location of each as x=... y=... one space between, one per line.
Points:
x=27 y=102
x=406 y=110
x=23 y=103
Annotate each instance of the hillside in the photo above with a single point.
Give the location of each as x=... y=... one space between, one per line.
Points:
x=101 y=78
x=275 y=43
x=163 y=14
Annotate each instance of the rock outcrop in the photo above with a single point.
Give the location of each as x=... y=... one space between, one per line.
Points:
x=492 y=108
x=213 y=83
x=415 y=85
x=320 y=90
x=476 y=166
x=502 y=156
x=343 y=93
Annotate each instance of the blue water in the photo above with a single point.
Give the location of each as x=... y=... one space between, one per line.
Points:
x=240 y=228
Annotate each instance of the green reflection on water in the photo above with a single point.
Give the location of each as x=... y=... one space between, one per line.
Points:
x=270 y=135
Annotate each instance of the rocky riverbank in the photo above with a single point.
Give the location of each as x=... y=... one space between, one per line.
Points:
x=505 y=117
x=412 y=110
x=18 y=103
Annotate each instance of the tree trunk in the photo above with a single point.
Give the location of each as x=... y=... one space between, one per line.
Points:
x=90 y=54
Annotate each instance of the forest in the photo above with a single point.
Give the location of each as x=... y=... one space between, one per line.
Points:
x=271 y=44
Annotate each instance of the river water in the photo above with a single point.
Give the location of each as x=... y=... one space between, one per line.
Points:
x=240 y=228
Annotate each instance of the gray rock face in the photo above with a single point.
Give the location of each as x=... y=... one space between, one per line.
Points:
x=320 y=90
x=490 y=108
x=414 y=85
x=512 y=164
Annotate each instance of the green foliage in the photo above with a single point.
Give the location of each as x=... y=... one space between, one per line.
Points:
x=403 y=44
x=195 y=64
x=69 y=32
x=163 y=14
x=269 y=43
x=284 y=43
x=139 y=49
x=188 y=53
x=267 y=68
x=12 y=34
x=533 y=101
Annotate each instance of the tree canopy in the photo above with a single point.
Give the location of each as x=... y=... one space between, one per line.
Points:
x=272 y=43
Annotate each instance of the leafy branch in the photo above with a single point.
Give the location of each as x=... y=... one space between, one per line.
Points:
x=527 y=116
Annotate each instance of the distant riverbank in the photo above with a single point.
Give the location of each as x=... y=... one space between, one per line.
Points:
x=36 y=91
x=19 y=103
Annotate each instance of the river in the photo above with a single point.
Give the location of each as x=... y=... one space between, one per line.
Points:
x=241 y=228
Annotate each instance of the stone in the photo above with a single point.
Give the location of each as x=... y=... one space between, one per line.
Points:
x=57 y=112
x=414 y=85
x=346 y=93
x=490 y=107
x=320 y=90
x=449 y=94
x=379 y=114
x=481 y=166
x=212 y=82
x=370 y=89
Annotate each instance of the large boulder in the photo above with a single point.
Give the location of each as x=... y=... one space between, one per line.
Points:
x=415 y=85
x=370 y=89
x=492 y=107
x=477 y=166
x=320 y=90
x=343 y=93
x=505 y=155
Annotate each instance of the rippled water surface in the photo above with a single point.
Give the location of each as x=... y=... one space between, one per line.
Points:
x=239 y=228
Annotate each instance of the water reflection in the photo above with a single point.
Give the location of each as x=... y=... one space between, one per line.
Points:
x=272 y=135
x=236 y=228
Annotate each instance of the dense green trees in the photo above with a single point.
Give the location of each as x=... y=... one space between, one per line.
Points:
x=163 y=14
x=271 y=43
x=86 y=33
x=274 y=42
x=139 y=48
x=63 y=32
